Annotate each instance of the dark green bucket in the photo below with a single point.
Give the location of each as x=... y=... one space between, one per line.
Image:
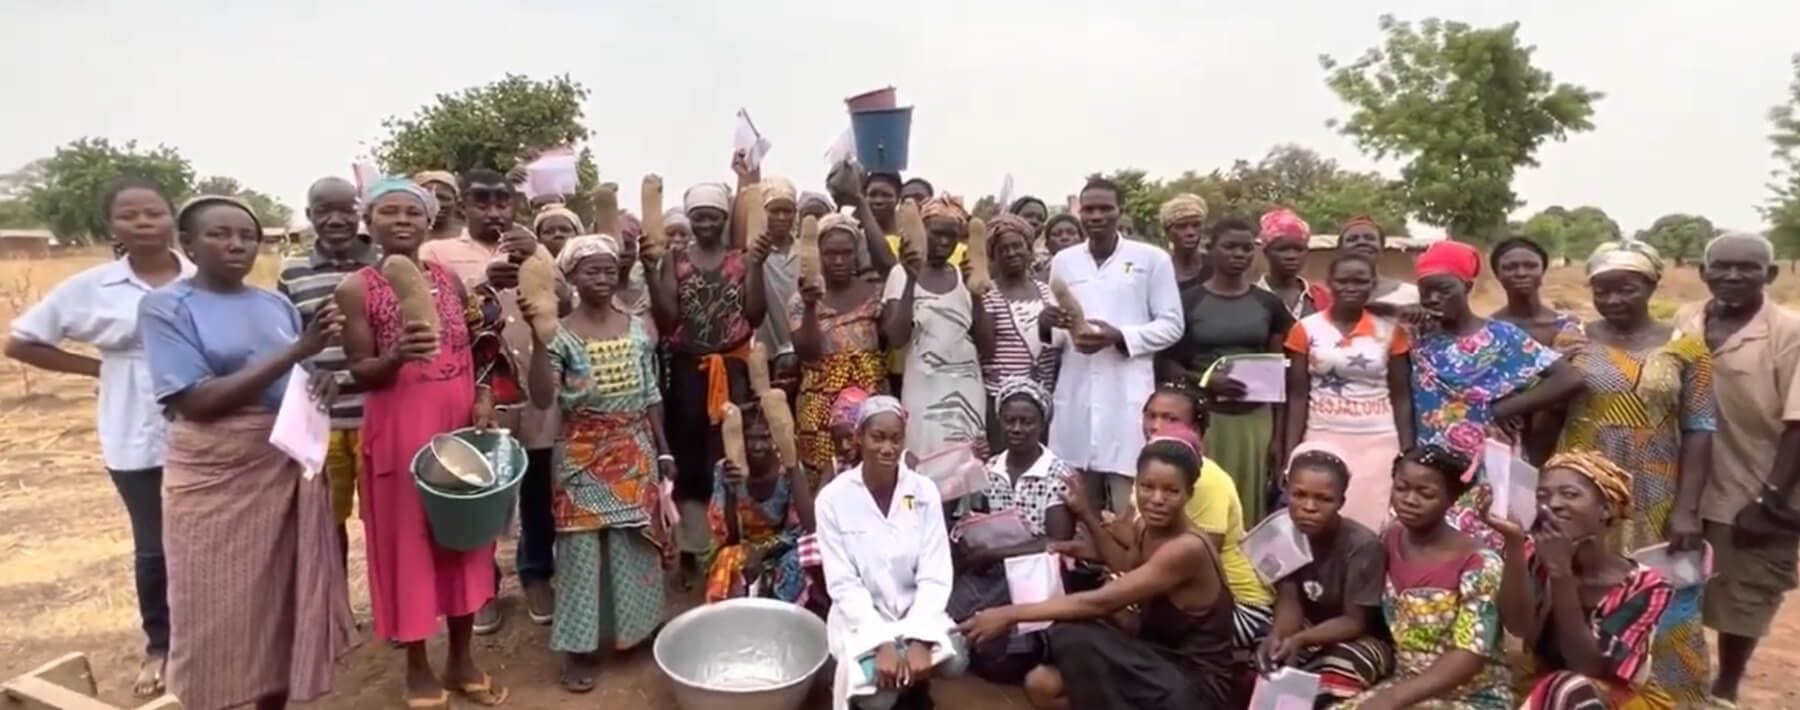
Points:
x=468 y=520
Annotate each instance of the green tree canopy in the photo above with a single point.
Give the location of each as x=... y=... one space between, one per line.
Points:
x=1465 y=107
x=66 y=195
x=1571 y=234
x=492 y=126
x=1783 y=206
x=1679 y=237
x=270 y=211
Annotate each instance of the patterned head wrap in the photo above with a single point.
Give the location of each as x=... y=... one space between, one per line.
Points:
x=556 y=210
x=1007 y=223
x=814 y=200
x=1449 y=257
x=836 y=222
x=438 y=177
x=1024 y=387
x=847 y=406
x=1625 y=255
x=777 y=189
x=876 y=405
x=1283 y=223
x=394 y=185
x=1613 y=482
x=1180 y=208
x=583 y=247
x=707 y=194
x=945 y=206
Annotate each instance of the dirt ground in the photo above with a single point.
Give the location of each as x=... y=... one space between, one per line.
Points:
x=65 y=583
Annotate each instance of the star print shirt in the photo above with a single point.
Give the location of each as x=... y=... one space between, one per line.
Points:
x=1349 y=372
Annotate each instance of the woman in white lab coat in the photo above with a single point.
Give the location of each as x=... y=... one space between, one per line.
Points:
x=886 y=556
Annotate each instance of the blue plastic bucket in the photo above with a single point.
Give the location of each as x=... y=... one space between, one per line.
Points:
x=468 y=520
x=881 y=138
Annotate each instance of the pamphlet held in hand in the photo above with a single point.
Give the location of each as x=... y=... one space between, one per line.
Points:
x=553 y=173
x=1276 y=548
x=1514 y=483
x=302 y=429
x=1031 y=579
x=1264 y=375
x=1681 y=569
x=1286 y=689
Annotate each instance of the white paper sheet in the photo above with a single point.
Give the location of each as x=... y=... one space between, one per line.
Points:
x=1264 y=376
x=1276 y=548
x=302 y=430
x=1285 y=689
x=1006 y=194
x=1684 y=569
x=552 y=173
x=1033 y=578
x=842 y=149
x=746 y=138
x=1514 y=483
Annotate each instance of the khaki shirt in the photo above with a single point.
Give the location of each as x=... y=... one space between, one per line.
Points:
x=1757 y=381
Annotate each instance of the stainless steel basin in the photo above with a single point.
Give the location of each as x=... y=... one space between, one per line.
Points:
x=742 y=654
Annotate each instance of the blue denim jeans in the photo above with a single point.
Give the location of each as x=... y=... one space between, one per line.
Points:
x=142 y=492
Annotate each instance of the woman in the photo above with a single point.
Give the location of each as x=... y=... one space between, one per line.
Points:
x=1013 y=306
x=1328 y=613
x=678 y=230
x=1519 y=264
x=1440 y=600
x=416 y=385
x=926 y=308
x=1361 y=235
x=707 y=299
x=1178 y=653
x=632 y=296
x=886 y=559
x=258 y=610
x=1472 y=374
x=1028 y=480
x=1227 y=315
x=781 y=278
x=1585 y=613
x=447 y=223
x=757 y=518
x=1356 y=371
x=555 y=225
x=1183 y=219
x=1060 y=232
x=99 y=308
x=1032 y=210
x=1649 y=408
x=611 y=540
x=837 y=335
x=1285 y=238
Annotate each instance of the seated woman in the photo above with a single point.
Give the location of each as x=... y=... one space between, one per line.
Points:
x=1178 y=654
x=1586 y=614
x=1440 y=599
x=1328 y=613
x=1029 y=479
x=757 y=518
x=887 y=567
x=1215 y=511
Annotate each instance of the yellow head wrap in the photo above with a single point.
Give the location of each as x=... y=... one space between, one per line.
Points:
x=1625 y=255
x=775 y=189
x=556 y=210
x=947 y=206
x=1613 y=482
x=583 y=247
x=1182 y=207
x=426 y=178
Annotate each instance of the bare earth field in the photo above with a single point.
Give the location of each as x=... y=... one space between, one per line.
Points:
x=66 y=583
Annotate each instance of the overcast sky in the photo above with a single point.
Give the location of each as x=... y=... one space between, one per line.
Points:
x=279 y=93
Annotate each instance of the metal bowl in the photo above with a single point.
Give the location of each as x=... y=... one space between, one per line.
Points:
x=456 y=465
x=742 y=654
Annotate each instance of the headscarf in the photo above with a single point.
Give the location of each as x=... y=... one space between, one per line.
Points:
x=674 y=216
x=1024 y=387
x=199 y=201
x=879 y=404
x=834 y=222
x=583 y=247
x=1613 y=482
x=1449 y=257
x=1007 y=224
x=1625 y=255
x=426 y=178
x=814 y=199
x=391 y=185
x=847 y=406
x=707 y=194
x=556 y=210
x=776 y=189
x=1282 y=223
x=1180 y=208
x=945 y=206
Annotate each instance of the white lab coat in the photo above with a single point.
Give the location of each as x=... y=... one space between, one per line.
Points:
x=888 y=575
x=1100 y=397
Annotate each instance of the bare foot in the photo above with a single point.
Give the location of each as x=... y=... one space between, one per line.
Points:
x=423 y=689
x=149 y=681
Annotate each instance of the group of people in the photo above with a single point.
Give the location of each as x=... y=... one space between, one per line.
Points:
x=1084 y=384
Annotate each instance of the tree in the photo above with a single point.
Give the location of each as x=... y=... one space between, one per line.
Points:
x=270 y=211
x=1783 y=206
x=1571 y=234
x=1679 y=237
x=1465 y=107
x=66 y=196
x=490 y=127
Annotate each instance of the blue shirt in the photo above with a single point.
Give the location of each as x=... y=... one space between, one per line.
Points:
x=192 y=335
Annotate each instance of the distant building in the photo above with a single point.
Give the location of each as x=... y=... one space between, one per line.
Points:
x=1396 y=260
x=25 y=243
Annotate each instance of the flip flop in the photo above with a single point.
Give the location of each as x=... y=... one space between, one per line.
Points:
x=484 y=692
x=441 y=700
x=578 y=678
x=149 y=682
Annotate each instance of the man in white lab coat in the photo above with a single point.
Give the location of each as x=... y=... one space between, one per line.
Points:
x=1131 y=309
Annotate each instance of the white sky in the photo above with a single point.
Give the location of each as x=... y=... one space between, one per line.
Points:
x=279 y=93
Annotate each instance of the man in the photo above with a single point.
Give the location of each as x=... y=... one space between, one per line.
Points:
x=918 y=190
x=447 y=224
x=1747 y=506
x=481 y=254
x=309 y=281
x=1128 y=294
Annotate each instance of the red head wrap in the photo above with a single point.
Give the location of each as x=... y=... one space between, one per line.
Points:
x=1281 y=224
x=1449 y=257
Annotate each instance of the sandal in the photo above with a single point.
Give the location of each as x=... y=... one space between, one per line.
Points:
x=149 y=682
x=578 y=675
x=484 y=692
x=436 y=702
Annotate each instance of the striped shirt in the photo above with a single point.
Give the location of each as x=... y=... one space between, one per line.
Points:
x=1017 y=350
x=309 y=282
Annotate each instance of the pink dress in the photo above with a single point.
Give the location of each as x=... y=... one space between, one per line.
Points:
x=412 y=581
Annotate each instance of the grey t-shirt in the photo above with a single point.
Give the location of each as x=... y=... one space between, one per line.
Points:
x=1351 y=572
x=1220 y=326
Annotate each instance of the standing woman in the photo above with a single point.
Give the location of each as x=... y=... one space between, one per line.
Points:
x=837 y=336
x=611 y=543
x=416 y=385
x=1032 y=210
x=99 y=307
x=1060 y=232
x=1284 y=237
x=1013 y=305
x=926 y=308
x=1356 y=371
x=257 y=602
x=1649 y=408
x=555 y=225
x=1519 y=264
x=1361 y=235
x=1472 y=374
x=447 y=223
x=1183 y=219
